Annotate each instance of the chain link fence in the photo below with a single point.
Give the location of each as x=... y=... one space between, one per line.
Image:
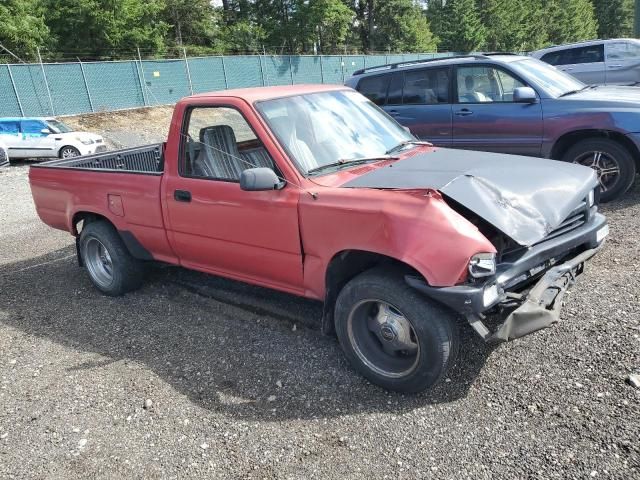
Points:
x=48 y=89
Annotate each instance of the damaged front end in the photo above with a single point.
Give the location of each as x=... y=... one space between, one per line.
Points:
x=525 y=293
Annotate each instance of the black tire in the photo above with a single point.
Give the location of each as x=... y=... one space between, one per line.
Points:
x=126 y=272
x=433 y=332
x=69 y=152
x=605 y=152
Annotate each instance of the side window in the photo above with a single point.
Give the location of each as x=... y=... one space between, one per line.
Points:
x=394 y=95
x=218 y=143
x=9 y=128
x=553 y=58
x=590 y=54
x=485 y=84
x=375 y=88
x=622 y=50
x=33 y=127
x=426 y=87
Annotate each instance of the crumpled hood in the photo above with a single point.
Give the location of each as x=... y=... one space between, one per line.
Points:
x=523 y=197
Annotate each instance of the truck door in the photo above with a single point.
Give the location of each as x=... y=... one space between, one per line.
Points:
x=486 y=118
x=213 y=225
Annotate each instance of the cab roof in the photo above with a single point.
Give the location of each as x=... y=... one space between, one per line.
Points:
x=257 y=94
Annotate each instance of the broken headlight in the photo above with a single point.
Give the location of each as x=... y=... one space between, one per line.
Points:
x=482 y=265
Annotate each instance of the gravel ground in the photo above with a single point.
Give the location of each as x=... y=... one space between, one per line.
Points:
x=195 y=376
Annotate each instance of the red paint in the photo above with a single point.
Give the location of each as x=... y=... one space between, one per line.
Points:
x=281 y=239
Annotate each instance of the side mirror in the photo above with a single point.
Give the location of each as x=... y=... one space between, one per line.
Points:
x=524 y=95
x=259 y=179
x=45 y=131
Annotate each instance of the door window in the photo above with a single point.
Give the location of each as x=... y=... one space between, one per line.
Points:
x=622 y=50
x=375 y=88
x=590 y=54
x=33 y=128
x=426 y=87
x=9 y=128
x=485 y=85
x=394 y=95
x=219 y=144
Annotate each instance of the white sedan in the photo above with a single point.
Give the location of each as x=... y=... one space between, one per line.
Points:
x=46 y=138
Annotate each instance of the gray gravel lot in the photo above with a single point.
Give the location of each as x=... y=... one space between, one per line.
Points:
x=243 y=385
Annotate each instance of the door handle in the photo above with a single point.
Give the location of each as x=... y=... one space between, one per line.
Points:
x=464 y=112
x=393 y=113
x=567 y=69
x=615 y=66
x=182 y=196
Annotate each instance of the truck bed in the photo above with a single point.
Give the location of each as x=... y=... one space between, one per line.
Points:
x=147 y=159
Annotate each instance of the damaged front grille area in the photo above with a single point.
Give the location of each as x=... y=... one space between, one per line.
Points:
x=576 y=218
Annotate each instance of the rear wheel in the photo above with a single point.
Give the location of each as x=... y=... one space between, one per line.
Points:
x=111 y=267
x=69 y=152
x=613 y=163
x=392 y=335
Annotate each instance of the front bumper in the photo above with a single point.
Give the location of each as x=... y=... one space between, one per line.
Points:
x=537 y=299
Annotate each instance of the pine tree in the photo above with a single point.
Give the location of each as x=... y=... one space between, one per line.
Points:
x=462 y=28
x=615 y=18
x=513 y=25
x=570 y=20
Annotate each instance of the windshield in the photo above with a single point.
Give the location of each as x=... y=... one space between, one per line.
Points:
x=329 y=127
x=58 y=127
x=550 y=78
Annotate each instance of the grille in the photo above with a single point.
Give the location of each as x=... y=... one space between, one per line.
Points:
x=575 y=219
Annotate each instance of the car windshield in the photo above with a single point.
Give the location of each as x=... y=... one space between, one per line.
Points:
x=554 y=81
x=331 y=128
x=58 y=127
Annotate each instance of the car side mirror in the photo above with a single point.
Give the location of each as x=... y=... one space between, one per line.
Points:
x=45 y=131
x=524 y=95
x=260 y=179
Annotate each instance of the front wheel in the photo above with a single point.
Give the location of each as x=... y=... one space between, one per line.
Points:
x=69 y=152
x=111 y=267
x=613 y=163
x=392 y=335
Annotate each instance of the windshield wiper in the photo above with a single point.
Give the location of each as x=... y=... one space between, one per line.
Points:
x=571 y=92
x=404 y=143
x=349 y=162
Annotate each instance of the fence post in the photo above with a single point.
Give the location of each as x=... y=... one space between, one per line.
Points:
x=86 y=85
x=342 y=67
x=290 y=70
x=261 y=69
x=143 y=85
x=15 y=90
x=46 y=82
x=186 y=63
x=321 y=71
x=224 y=73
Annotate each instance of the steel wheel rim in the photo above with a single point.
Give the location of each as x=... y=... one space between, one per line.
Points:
x=69 y=153
x=383 y=338
x=98 y=262
x=606 y=167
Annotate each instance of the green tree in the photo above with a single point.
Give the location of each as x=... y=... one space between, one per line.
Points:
x=461 y=26
x=99 y=28
x=615 y=18
x=570 y=20
x=513 y=25
x=22 y=28
x=327 y=23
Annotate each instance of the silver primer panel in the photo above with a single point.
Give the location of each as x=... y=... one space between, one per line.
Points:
x=524 y=197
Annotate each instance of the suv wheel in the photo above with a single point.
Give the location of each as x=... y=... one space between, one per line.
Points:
x=392 y=335
x=613 y=163
x=69 y=152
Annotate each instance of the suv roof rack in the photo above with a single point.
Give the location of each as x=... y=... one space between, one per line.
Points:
x=391 y=66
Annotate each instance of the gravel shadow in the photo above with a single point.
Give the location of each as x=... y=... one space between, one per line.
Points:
x=245 y=351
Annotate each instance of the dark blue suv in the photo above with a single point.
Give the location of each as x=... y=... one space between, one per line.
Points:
x=513 y=104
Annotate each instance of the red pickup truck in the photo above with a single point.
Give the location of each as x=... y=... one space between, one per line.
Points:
x=315 y=191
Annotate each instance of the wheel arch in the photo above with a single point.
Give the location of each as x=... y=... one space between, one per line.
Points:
x=134 y=247
x=344 y=266
x=564 y=143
